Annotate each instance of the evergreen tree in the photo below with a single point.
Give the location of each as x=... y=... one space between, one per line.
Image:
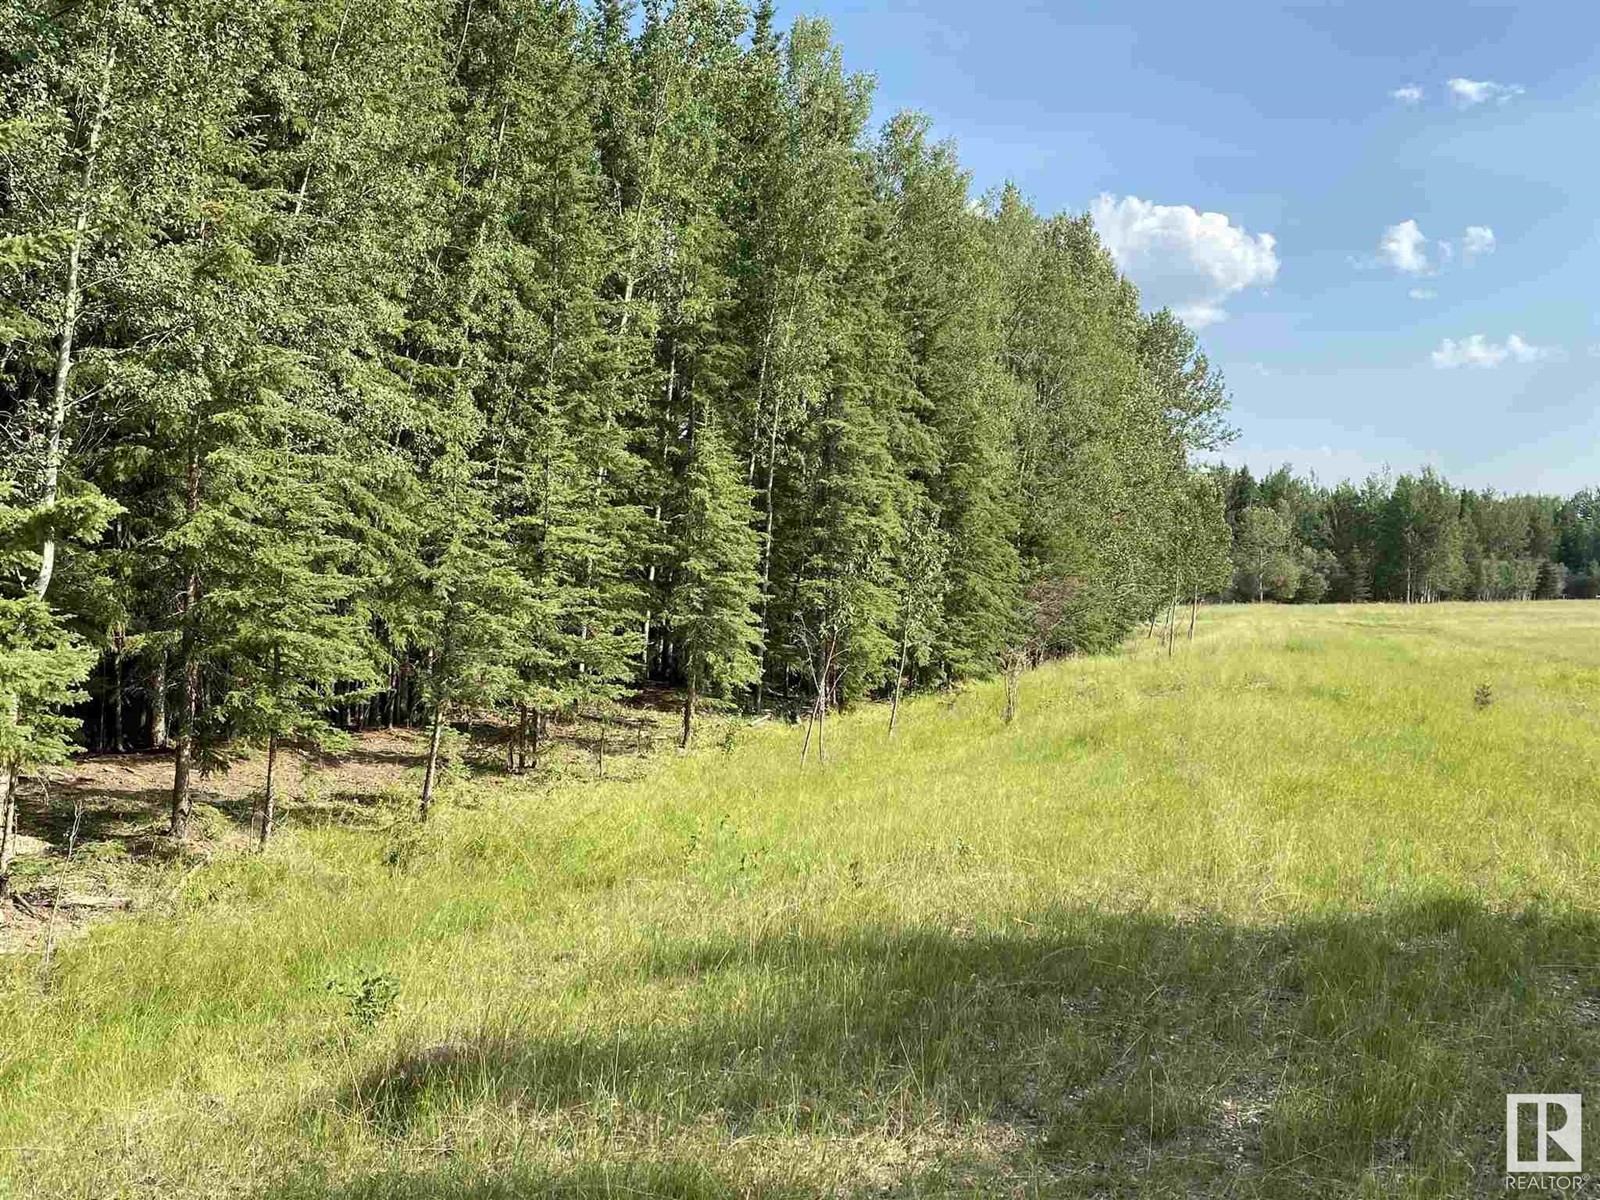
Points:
x=711 y=606
x=42 y=663
x=1241 y=494
x=1552 y=580
x=924 y=573
x=792 y=269
x=946 y=294
x=467 y=607
x=299 y=638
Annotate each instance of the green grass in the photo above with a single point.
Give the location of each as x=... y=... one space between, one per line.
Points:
x=1286 y=915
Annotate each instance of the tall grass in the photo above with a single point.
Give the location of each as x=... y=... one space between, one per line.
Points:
x=1284 y=915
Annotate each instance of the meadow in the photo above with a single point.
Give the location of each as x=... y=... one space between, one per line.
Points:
x=1284 y=914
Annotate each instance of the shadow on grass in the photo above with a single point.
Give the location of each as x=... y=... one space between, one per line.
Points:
x=1080 y=1051
x=127 y=815
x=132 y=818
x=657 y=1181
x=404 y=756
x=344 y=809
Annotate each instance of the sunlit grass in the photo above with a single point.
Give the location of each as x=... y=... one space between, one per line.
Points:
x=1285 y=914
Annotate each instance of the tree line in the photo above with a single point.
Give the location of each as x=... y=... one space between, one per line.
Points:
x=1410 y=538
x=408 y=361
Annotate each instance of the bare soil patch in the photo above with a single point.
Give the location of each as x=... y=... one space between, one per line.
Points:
x=93 y=839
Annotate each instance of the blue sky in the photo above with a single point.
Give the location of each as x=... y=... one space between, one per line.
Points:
x=1351 y=339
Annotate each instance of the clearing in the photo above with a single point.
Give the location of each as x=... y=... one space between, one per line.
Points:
x=1286 y=914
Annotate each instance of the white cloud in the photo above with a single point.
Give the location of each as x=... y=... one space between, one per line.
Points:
x=1468 y=92
x=1524 y=353
x=1410 y=94
x=1404 y=248
x=1479 y=351
x=1198 y=316
x=1422 y=293
x=1189 y=260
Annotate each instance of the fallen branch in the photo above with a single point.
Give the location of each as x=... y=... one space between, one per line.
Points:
x=94 y=902
x=27 y=908
x=106 y=902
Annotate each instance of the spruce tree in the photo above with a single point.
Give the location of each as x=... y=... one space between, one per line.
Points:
x=713 y=556
x=947 y=297
x=924 y=574
x=300 y=638
x=466 y=606
x=796 y=241
x=42 y=663
x=545 y=358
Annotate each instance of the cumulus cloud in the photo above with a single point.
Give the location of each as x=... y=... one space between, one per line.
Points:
x=1404 y=248
x=1410 y=94
x=1523 y=353
x=1422 y=293
x=1479 y=351
x=1198 y=316
x=1190 y=261
x=1469 y=92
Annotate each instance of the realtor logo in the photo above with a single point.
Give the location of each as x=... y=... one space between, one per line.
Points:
x=1555 y=1123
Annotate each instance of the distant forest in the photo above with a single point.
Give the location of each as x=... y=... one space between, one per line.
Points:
x=1411 y=538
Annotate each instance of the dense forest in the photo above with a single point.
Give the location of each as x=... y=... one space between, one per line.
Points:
x=1413 y=538
x=417 y=361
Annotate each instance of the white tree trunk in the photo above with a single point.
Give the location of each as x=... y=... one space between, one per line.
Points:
x=67 y=330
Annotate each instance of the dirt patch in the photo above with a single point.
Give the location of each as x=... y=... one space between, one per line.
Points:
x=112 y=810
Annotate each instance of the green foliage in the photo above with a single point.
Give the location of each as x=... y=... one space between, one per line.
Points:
x=925 y=571
x=1551 y=583
x=42 y=668
x=947 y=291
x=711 y=603
x=1412 y=538
x=451 y=358
x=1201 y=542
x=43 y=663
x=1100 y=434
x=1264 y=562
x=368 y=997
x=467 y=605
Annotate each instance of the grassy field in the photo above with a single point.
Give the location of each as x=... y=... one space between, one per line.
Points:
x=1285 y=915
